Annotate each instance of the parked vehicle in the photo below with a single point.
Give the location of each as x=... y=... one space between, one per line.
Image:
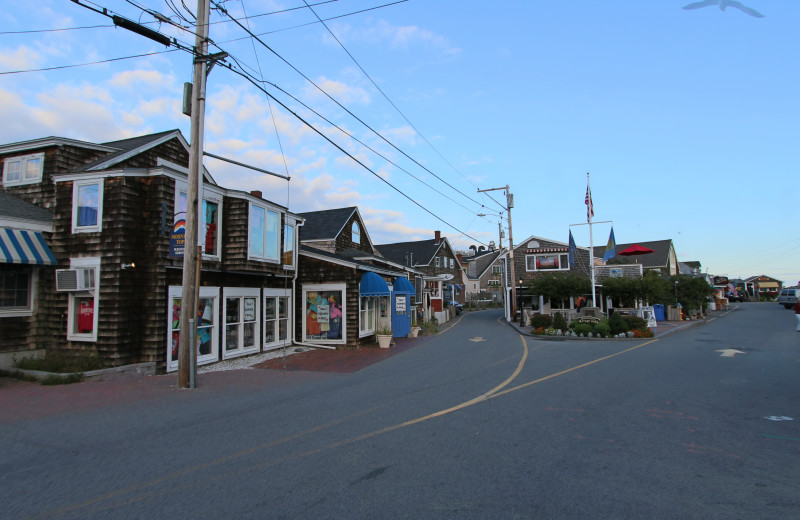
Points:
x=457 y=305
x=788 y=297
x=736 y=296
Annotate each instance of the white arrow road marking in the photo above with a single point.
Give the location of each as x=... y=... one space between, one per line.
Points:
x=476 y=339
x=729 y=352
x=779 y=418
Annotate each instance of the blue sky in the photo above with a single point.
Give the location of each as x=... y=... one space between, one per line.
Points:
x=687 y=120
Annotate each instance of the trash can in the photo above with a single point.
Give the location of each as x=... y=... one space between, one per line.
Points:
x=658 y=310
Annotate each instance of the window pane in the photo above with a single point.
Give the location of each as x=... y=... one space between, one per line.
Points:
x=288 y=245
x=273 y=238
x=256 y=232
x=13 y=171
x=210 y=219
x=33 y=169
x=232 y=337
x=14 y=287
x=282 y=306
x=88 y=204
x=231 y=310
x=269 y=309
x=249 y=335
x=269 y=331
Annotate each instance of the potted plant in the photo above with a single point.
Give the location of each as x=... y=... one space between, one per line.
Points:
x=414 y=328
x=384 y=335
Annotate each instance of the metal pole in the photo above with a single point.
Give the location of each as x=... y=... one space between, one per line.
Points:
x=509 y=205
x=189 y=280
x=591 y=246
x=192 y=353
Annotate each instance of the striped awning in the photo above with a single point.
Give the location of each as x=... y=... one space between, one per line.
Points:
x=18 y=246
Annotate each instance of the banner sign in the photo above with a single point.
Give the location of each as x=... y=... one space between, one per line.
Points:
x=177 y=239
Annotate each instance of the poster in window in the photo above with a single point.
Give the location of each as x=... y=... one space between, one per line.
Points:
x=323 y=315
x=249 y=309
x=85 y=315
x=400 y=304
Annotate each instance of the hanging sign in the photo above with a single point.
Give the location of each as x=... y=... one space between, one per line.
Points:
x=177 y=239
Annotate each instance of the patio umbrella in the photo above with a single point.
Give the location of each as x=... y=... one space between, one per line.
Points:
x=635 y=249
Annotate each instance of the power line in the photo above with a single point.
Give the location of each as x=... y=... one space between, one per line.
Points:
x=33 y=31
x=223 y=10
x=89 y=63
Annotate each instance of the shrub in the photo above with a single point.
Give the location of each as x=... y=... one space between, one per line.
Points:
x=559 y=322
x=540 y=330
x=541 y=320
x=616 y=324
x=642 y=333
x=62 y=362
x=635 y=322
x=430 y=327
x=582 y=328
x=602 y=328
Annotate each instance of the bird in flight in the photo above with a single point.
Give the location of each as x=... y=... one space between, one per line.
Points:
x=723 y=4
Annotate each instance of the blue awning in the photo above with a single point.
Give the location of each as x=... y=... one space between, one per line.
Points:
x=18 y=246
x=403 y=285
x=373 y=285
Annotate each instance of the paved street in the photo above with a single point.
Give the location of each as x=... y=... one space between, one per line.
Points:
x=479 y=421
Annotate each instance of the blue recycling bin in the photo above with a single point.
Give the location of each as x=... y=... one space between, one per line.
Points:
x=659 y=312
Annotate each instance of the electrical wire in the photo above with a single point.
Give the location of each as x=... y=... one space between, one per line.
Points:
x=89 y=63
x=222 y=9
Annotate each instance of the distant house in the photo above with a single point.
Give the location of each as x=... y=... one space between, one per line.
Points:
x=663 y=258
x=762 y=286
x=343 y=274
x=440 y=267
x=486 y=275
x=112 y=285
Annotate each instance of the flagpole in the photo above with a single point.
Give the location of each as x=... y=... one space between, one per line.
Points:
x=589 y=214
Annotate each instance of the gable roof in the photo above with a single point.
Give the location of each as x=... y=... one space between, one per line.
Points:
x=127 y=148
x=658 y=258
x=13 y=208
x=326 y=224
x=484 y=262
x=422 y=251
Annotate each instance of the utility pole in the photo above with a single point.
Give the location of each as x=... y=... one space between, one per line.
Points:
x=190 y=281
x=512 y=269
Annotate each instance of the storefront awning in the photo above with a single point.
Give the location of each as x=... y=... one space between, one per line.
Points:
x=373 y=285
x=18 y=246
x=403 y=285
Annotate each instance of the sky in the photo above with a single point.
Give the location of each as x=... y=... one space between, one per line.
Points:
x=687 y=121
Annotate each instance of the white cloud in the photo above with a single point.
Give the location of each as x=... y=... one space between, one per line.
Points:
x=339 y=91
x=142 y=78
x=399 y=37
x=22 y=58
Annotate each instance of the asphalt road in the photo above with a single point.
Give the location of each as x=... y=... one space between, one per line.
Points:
x=477 y=422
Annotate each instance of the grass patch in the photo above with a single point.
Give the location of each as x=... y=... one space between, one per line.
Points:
x=17 y=375
x=61 y=362
x=54 y=379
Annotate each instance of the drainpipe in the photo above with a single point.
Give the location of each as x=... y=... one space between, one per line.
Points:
x=294 y=296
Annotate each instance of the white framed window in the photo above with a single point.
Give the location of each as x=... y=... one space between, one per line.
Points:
x=206 y=323
x=497 y=269
x=494 y=283
x=277 y=318
x=547 y=262
x=474 y=286
x=452 y=263
x=288 y=246
x=367 y=315
x=17 y=290
x=26 y=169
x=241 y=308
x=324 y=313
x=356 y=233
x=84 y=306
x=263 y=234
x=209 y=219
x=437 y=262
x=87 y=206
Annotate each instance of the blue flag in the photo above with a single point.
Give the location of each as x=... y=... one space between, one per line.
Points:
x=571 y=251
x=610 y=247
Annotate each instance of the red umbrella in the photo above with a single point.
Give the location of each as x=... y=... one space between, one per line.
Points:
x=635 y=249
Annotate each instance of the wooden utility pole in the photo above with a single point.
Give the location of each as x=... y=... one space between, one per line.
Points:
x=512 y=269
x=191 y=253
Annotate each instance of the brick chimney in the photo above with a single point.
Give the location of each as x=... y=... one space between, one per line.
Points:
x=257 y=193
x=460 y=258
x=438 y=236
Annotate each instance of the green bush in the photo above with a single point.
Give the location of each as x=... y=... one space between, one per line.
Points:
x=68 y=379
x=62 y=362
x=559 y=322
x=635 y=322
x=430 y=327
x=541 y=320
x=581 y=328
x=602 y=328
x=616 y=324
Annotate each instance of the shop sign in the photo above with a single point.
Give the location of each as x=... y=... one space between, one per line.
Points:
x=177 y=239
x=249 y=309
x=720 y=280
x=400 y=304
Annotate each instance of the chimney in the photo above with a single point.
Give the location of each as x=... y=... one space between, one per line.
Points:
x=460 y=258
x=257 y=193
x=438 y=236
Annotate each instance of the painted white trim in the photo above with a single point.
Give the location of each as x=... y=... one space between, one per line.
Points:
x=26 y=224
x=47 y=142
x=240 y=293
x=83 y=263
x=136 y=151
x=326 y=288
x=97 y=228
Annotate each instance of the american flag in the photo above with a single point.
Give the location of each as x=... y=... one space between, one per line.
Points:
x=589 y=207
x=731 y=288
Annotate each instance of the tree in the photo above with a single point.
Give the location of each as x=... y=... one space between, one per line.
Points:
x=690 y=291
x=560 y=287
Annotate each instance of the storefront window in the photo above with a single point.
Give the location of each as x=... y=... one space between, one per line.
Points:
x=288 y=246
x=366 y=315
x=276 y=318
x=324 y=313
x=15 y=288
x=207 y=347
x=547 y=262
x=83 y=305
x=241 y=321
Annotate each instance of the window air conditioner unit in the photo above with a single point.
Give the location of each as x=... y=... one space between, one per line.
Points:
x=74 y=279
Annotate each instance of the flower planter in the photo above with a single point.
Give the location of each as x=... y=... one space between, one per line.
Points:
x=414 y=332
x=384 y=341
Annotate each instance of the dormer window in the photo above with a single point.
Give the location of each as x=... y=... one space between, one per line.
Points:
x=356 y=233
x=26 y=169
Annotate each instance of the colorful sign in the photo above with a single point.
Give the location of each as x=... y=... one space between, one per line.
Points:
x=177 y=239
